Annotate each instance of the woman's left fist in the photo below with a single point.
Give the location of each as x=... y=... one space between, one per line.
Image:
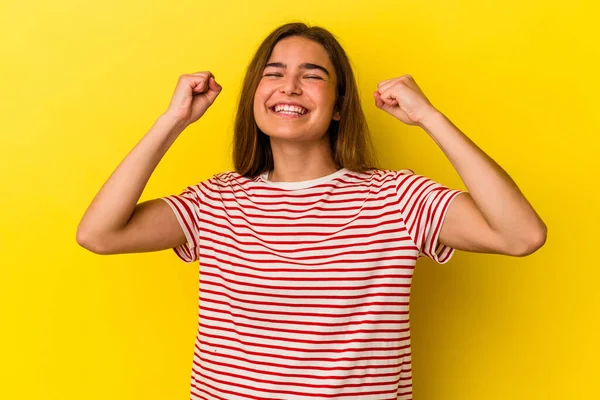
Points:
x=404 y=99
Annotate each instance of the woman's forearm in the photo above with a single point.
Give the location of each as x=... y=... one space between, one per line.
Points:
x=114 y=204
x=496 y=195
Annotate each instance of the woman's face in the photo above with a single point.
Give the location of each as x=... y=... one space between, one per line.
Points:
x=296 y=95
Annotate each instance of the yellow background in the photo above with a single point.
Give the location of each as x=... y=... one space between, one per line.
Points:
x=81 y=83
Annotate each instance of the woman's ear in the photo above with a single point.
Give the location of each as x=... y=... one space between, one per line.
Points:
x=338 y=105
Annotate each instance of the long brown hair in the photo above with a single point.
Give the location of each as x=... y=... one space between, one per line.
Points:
x=349 y=138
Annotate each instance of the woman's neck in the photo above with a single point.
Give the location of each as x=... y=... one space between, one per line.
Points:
x=296 y=162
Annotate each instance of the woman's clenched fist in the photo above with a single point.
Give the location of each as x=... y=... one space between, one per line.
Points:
x=193 y=95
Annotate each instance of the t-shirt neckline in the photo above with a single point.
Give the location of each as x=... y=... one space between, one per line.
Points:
x=302 y=184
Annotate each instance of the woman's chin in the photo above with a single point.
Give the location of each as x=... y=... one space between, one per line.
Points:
x=287 y=136
x=294 y=137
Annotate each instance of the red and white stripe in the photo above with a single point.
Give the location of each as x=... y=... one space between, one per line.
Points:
x=304 y=293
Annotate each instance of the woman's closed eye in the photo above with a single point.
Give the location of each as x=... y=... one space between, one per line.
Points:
x=280 y=75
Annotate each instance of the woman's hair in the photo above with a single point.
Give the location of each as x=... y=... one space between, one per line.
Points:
x=349 y=137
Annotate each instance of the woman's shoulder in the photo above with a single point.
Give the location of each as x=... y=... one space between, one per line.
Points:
x=227 y=179
x=379 y=175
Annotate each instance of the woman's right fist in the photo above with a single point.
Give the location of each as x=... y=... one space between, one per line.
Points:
x=194 y=94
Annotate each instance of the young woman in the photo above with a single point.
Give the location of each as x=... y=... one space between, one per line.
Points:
x=307 y=249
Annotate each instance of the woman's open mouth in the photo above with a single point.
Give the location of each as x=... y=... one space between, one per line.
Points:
x=289 y=111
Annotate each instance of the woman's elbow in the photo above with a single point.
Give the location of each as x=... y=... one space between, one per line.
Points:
x=87 y=242
x=532 y=243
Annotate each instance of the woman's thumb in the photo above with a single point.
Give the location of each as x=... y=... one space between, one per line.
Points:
x=213 y=89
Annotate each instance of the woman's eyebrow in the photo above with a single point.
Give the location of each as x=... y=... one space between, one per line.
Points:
x=302 y=66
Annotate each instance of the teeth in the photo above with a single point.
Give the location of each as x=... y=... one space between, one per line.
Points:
x=294 y=109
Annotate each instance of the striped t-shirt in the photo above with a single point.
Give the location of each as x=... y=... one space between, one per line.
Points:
x=304 y=286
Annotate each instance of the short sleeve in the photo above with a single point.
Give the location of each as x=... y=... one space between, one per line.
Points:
x=423 y=205
x=186 y=207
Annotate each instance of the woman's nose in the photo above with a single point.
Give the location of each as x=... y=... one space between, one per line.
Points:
x=290 y=85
